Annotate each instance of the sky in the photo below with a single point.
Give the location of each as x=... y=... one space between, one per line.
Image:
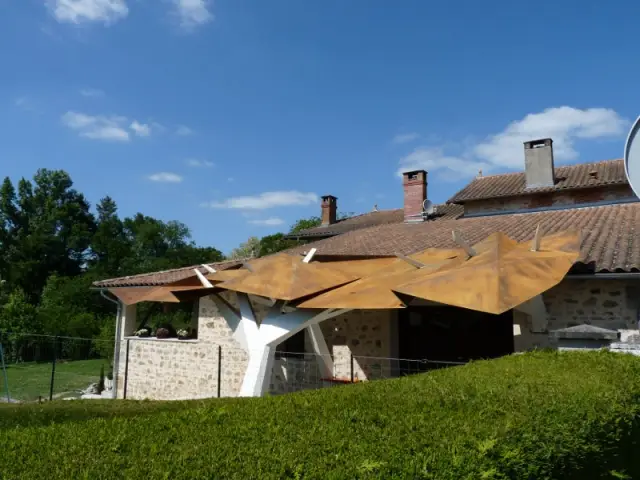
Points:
x=235 y=116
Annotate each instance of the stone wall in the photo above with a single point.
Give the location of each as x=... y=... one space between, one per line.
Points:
x=367 y=335
x=539 y=200
x=171 y=369
x=610 y=304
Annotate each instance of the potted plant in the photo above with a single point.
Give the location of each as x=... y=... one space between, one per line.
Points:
x=184 y=334
x=166 y=331
x=143 y=332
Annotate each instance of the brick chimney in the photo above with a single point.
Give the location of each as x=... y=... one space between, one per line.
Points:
x=538 y=163
x=329 y=210
x=415 y=193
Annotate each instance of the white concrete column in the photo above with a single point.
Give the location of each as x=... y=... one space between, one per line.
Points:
x=128 y=317
x=260 y=341
x=320 y=348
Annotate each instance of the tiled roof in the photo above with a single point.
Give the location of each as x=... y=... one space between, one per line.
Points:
x=583 y=175
x=610 y=235
x=163 y=277
x=371 y=219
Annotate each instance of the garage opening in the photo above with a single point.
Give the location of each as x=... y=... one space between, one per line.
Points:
x=450 y=334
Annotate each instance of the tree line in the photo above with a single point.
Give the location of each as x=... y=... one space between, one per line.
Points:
x=53 y=246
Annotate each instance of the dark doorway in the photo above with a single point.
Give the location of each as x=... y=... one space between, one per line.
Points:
x=451 y=334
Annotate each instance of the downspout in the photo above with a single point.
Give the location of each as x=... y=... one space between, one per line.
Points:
x=116 y=348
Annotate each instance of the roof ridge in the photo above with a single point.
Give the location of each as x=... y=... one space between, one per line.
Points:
x=170 y=270
x=572 y=165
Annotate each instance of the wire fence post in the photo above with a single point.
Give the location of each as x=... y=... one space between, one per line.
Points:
x=4 y=370
x=53 y=367
x=126 y=371
x=352 y=367
x=219 y=368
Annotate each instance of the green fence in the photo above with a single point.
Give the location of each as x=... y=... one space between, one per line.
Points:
x=40 y=367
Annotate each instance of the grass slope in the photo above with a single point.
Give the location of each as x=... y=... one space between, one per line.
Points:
x=28 y=381
x=535 y=416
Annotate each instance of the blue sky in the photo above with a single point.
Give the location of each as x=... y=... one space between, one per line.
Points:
x=233 y=116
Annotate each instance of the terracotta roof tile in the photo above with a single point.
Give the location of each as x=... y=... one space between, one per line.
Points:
x=583 y=175
x=610 y=242
x=371 y=219
x=162 y=277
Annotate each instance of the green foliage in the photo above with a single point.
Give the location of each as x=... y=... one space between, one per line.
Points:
x=535 y=416
x=52 y=247
x=17 y=315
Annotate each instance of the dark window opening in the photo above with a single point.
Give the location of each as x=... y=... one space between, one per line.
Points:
x=292 y=347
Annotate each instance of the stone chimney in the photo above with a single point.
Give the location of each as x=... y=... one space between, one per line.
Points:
x=538 y=163
x=329 y=210
x=415 y=193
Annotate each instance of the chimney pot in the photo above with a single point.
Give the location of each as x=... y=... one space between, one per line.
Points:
x=538 y=163
x=329 y=210
x=415 y=193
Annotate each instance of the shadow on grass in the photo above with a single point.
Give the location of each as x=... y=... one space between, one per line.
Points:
x=64 y=411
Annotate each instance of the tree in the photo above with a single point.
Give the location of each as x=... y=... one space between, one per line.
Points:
x=248 y=249
x=47 y=228
x=110 y=246
x=305 y=223
x=17 y=315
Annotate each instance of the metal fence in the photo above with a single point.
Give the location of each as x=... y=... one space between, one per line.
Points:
x=295 y=372
x=42 y=367
x=38 y=368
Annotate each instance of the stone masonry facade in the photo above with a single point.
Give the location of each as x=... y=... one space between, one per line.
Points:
x=178 y=369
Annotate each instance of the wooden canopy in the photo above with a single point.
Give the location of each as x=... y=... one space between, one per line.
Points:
x=286 y=277
x=501 y=274
x=376 y=291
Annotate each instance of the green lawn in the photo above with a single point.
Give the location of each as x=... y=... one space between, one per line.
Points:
x=28 y=381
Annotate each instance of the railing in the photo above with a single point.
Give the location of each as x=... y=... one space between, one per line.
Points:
x=40 y=368
x=43 y=367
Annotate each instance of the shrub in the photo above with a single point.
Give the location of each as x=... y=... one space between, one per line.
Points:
x=535 y=416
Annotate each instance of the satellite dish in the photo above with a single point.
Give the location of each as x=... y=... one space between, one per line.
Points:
x=632 y=157
x=427 y=205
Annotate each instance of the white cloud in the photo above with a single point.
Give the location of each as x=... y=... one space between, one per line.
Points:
x=194 y=162
x=267 y=200
x=184 y=131
x=504 y=150
x=140 y=129
x=165 y=177
x=267 y=222
x=91 y=92
x=405 y=137
x=97 y=127
x=103 y=127
x=192 y=13
x=81 y=11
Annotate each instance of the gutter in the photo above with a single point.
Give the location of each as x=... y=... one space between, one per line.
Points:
x=552 y=208
x=604 y=276
x=116 y=348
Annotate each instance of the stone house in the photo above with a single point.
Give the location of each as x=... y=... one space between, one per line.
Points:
x=602 y=289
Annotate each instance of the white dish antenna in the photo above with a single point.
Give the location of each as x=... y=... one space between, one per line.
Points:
x=427 y=207
x=632 y=157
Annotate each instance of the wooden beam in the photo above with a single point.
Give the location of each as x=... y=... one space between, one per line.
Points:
x=459 y=239
x=535 y=243
x=410 y=261
x=208 y=268
x=309 y=255
x=203 y=280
